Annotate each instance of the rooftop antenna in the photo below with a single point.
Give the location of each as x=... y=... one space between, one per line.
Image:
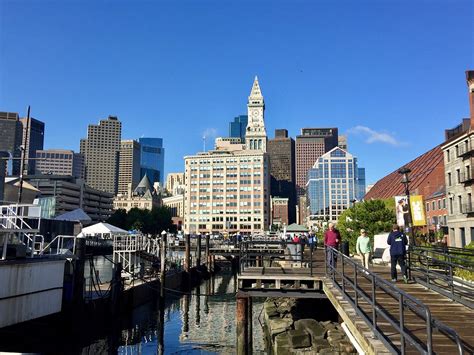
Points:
x=204 y=142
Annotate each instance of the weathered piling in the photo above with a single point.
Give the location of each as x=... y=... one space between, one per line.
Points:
x=187 y=253
x=198 y=251
x=78 y=288
x=242 y=324
x=116 y=288
x=161 y=298
x=208 y=253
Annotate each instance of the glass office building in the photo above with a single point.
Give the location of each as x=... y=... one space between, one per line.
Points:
x=152 y=159
x=332 y=184
x=360 y=184
x=238 y=127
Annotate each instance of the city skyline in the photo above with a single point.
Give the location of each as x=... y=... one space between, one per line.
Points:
x=381 y=92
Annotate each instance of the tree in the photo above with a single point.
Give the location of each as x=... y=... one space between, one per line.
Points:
x=375 y=216
x=148 y=222
x=119 y=219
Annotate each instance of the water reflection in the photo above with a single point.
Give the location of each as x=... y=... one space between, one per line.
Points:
x=202 y=322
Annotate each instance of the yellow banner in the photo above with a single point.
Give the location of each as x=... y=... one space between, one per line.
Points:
x=417 y=210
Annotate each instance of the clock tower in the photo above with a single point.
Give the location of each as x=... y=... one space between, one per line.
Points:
x=256 y=135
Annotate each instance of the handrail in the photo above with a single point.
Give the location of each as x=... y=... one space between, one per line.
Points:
x=436 y=270
x=405 y=302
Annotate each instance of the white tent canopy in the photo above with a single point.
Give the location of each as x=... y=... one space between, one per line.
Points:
x=103 y=230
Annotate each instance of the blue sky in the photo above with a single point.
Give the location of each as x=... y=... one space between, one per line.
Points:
x=390 y=73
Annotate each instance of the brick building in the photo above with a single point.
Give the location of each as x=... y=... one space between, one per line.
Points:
x=279 y=214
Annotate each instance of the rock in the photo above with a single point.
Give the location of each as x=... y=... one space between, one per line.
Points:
x=335 y=339
x=277 y=325
x=329 y=351
x=335 y=333
x=346 y=347
x=282 y=344
x=271 y=310
x=312 y=327
x=299 y=339
x=319 y=344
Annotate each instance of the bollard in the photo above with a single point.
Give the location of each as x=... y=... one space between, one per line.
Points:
x=242 y=324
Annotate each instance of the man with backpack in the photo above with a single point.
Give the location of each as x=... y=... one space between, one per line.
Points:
x=398 y=242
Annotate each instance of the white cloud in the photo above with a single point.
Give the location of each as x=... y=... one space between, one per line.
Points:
x=210 y=133
x=373 y=136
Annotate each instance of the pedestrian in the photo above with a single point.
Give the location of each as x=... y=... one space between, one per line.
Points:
x=332 y=239
x=363 y=248
x=398 y=242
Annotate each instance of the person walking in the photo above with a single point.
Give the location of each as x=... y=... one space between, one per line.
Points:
x=363 y=248
x=398 y=242
x=332 y=239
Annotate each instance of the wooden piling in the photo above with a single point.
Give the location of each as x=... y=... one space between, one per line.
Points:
x=78 y=288
x=208 y=254
x=242 y=324
x=187 y=253
x=198 y=251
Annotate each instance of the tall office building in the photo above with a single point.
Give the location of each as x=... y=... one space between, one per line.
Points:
x=59 y=162
x=11 y=139
x=331 y=185
x=281 y=151
x=174 y=183
x=129 y=165
x=101 y=150
x=360 y=184
x=227 y=189
x=33 y=135
x=310 y=145
x=152 y=160
x=238 y=126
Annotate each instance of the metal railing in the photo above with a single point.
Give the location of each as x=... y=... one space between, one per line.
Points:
x=362 y=289
x=265 y=253
x=436 y=269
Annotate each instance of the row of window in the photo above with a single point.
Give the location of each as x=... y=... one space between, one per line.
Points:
x=436 y=205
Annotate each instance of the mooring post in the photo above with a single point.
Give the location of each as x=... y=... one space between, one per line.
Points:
x=78 y=289
x=187 y=253
x=208 y=254
x=198 y=251
x=161 y=297
x=186 y=301
x=116 y=288
x=242 y=324
x=250 y=323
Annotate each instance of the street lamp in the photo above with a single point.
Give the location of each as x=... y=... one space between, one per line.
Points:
x=406 y=182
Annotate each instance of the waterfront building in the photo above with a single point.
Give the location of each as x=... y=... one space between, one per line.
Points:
x=129 y=165
x=175 y=183
x=101 y=151
x=33 y=136
x=152 y=160
x=175 y=204
x=60 y=194
x=279 y=213
x=281 y=151
x=458 y=156
x=227 y=189
x=144 y=197
x=436 y=210
x=11 y=139
x=331 y=186
x=238 y=127
x=310 y=145
x=59 y=162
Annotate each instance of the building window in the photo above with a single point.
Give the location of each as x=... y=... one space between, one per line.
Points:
x=427 y=207
x=450 y=205
x=444 y=203
x=460 y=203
x=458 y=176
x=433 y=205
x=449 y=179
x=448 y=157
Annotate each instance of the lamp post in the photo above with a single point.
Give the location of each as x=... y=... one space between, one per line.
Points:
x=406 y=182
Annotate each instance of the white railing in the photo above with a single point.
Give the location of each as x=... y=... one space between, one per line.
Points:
x=14 y=218
x=127 y=247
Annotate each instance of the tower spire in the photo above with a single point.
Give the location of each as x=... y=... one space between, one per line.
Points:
x=256 y=93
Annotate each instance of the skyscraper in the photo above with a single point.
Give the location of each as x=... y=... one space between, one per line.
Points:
x=281 y=151
x=59 y=162
x=129 y=165
x=331 y=185
x=310 y=145
x=33 y=135
x=152 y=160
x=10 y=139
x=101 y=150
x=360 y=184
x=238 y=126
